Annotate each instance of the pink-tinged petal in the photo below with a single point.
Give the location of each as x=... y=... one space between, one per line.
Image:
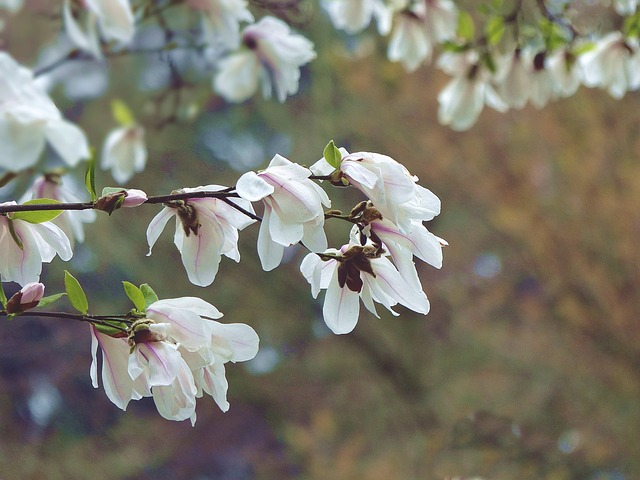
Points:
x=241 y=338
x=311 y=270
x=341 y=307
x=269 y=252
x=193 y=304
x=68 y=140
x=215 y=384
x=24 y=264
x=201 y=254
x=52 y=237
x=252 y=187
x=93 y=370
x=360 y=175
x=367 y=299
x=158 y=362
x=116 y=381
x=187 y=327
x=157 y=226
x=392 y=283
x=177 y=401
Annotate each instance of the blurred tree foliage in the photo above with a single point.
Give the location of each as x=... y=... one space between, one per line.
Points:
x=527 y=367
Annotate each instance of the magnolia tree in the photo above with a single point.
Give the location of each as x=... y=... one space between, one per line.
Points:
x=503 y=54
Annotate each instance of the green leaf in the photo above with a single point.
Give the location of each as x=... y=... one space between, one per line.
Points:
x=37 y=216
x=76 y=294
x=149 y=295
x=3 y=297
x=90 y=178
x=121 y=113
x=466 y=29
x=332 y=155
x=494 y=30
x=135 y=295
x=116 y=331
x=48 y=300
x=450 y=46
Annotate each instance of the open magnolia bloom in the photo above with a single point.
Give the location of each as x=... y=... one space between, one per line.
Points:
x=25 y=246
x=175 y=354
x=206 y=229
x=353 y=16
x=271 y=55
x=292 y=209
x=28 y=118
x=114 y=19
x=221 y=19
x=70 y=221
x=355 y=273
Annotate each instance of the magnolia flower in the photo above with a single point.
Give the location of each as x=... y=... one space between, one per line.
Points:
x=387 y=183
x=512 y=81
x=24 y=246
x=353 y=16
x=563 y=70
x=221 y=19
x=70 y=221
x=124 y=152
x=292 y=209
x=28 y=297
x=271 y=54
x=175 y=355
x=357 y=273
x=114 y=18
x=613 y=64
x=206 y=228
x=28 y=117
x=464 y=97
x=410 y=42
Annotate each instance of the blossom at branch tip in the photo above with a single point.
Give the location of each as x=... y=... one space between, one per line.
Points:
x=114 y=19
x=221 y=19
x=25 y=246
x=388 y=185
x=463 y=98
x=28 y=297
x=175 y=355
x=358 y=273
x=206 y=228
x=70 y=221
x=28 y=118
x=124 y=152
x=292 y=209
x=270 y=55
x=353 y=16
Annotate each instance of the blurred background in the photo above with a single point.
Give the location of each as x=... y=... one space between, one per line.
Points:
x=527 y=366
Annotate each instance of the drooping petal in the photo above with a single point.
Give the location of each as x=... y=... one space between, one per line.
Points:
x=201 y=254
x=341 y=307
x=242 y=339
x=157 y=226
x=269 y=252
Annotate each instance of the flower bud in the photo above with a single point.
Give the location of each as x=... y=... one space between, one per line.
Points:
x=110 y=202
x=27 y=298
x=134 y=198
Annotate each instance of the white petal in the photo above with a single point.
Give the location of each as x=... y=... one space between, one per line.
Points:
x=68 y=140
x=252 y=187
x=341 y=307
x=270 y=252
x=157 y=226
x=242 y=338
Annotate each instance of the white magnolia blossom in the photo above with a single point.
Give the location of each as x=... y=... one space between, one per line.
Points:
x=292 y=209
x=614 y=64
x=221 y=19
x=206 y=228
x=113 y=18
x=410 y=41
x=70 y=221
x=25 y=246
x=358 y=277
x=353 y=16
x=271 y=55
x=124 y=152
x=176 y=354
x=564 y=73
x=464 y=97
x=28 y=118
x=513 y=79
x=387 y=184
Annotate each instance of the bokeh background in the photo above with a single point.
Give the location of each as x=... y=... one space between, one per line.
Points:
x=527 y=366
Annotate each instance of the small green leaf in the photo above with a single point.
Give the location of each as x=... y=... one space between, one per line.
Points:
x=149 y=295
x=332 y=155
x=494 y=30
x=37 y=216
x=3 y=297
x=117 y=330
x=76 y=294
x=90 y=178
x=48 y=300
x=135 y=295
x=466 y=29
x=121 y=113
x=450 y=46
